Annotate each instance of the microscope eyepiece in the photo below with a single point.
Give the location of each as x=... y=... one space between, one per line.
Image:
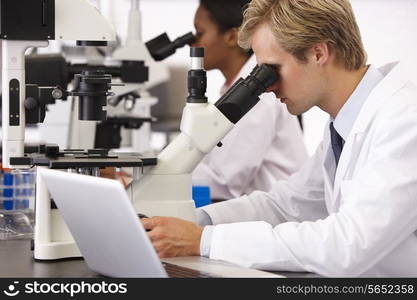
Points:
x=161 y=47
x=197 y=78
x=265 y=75
x=244 y=94
x=196 y=52
x=186 y=39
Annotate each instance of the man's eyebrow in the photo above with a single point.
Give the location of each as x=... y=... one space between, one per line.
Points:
x=275 y=66
x=270 y=64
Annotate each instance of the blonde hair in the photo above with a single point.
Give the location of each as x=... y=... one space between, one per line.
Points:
x=299 y=24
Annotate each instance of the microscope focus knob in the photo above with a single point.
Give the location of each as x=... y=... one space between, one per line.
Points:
x=57 y=94
x=31 y=103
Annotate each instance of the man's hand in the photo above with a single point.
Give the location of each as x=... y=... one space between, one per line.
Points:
x=112 y=173
x=108 y=172
x=173 y=237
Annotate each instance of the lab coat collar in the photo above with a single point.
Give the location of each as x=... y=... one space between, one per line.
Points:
x=396 y=76
x=347 y=115
x=346 y=118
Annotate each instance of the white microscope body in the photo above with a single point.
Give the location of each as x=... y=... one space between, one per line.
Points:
x=60 y=20
x=165 y=189
x=74 y=20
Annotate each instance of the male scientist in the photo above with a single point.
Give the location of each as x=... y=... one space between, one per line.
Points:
x=352 y=209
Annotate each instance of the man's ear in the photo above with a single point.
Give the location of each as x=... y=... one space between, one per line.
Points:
x=320 y=53
x=230 y=37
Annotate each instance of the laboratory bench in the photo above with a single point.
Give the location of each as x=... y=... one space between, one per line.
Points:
x=16 y=261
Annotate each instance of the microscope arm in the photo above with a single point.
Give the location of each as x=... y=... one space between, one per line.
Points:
x=13 y=94
x=202 y=128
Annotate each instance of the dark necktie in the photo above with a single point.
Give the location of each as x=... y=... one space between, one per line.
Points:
x=337 y=143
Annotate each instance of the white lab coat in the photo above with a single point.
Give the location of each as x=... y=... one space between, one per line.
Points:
x=264 y=146
x=365 y=224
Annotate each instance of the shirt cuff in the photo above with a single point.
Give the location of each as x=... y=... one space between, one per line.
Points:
x=205 y=242
x=203 y=218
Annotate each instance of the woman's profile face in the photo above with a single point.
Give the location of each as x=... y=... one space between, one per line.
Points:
x=211 y=39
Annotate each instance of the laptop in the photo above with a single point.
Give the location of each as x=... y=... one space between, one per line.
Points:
x=111 y=237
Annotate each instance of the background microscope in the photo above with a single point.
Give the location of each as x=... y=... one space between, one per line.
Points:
x=32 y=23
x=135 y=71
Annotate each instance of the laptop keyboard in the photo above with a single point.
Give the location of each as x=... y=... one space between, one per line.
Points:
x=176 y=271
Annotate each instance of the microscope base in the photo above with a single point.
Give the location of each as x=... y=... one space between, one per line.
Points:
x=164 y=195
x=56 y=250
x=60 y=245
x=184 y=209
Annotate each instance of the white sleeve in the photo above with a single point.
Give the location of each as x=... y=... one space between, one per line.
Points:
x=299 y=198
x=378 y=213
